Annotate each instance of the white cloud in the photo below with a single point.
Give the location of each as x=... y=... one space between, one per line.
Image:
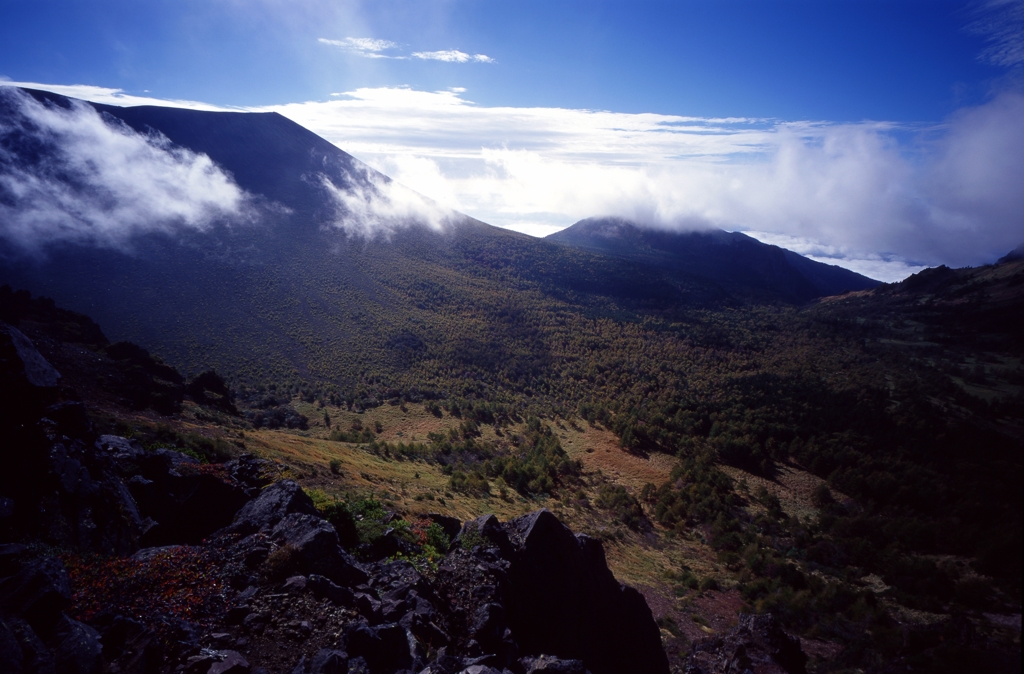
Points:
x=452 y=56
x=877 y=196
x=423 y=175
x=366 y=47
x=1001 y=23
x=888 y=269
x=369 y=206
x=87 y=179
x=372 y=48
x=108 y=96
x=948 y=195
x=361 y=43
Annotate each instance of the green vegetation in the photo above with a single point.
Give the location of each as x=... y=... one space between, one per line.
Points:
x=205 y=449
x=907 y=403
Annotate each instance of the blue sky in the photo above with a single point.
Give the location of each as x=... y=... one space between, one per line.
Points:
x=827 y=59
x=834 y=127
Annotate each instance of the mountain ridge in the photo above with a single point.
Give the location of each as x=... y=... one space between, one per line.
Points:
x=849 y=465
x=305 y=297
x=738 y=262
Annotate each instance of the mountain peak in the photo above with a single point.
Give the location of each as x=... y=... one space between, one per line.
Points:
x=739 y=263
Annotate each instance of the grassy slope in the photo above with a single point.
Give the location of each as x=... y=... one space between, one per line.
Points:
x=877 y=392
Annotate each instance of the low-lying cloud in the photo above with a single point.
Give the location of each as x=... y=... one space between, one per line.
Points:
x=371 y=206
x=73 y=175
x=878 y=197
x=882 y=198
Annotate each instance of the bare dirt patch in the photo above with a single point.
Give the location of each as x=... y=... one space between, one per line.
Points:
x=599 y=450
x=792 y=485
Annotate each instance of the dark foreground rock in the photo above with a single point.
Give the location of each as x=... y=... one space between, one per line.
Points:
x=565 y=601
x=35 y=633
x=217 y=568
x=756 y=644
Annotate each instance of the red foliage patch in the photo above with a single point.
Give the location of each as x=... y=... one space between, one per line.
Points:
x=215 y=469
x=181 y=582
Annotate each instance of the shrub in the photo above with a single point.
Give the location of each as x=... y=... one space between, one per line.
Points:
x=623 y=505
x=437 y=538
x=821 y=497
x=471 y=483
x=708 y=583
x=471 y=539
x=280 y=563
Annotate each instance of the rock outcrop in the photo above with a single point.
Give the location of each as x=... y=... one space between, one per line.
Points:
x=565 y=601
x=35 y=634
x=756 y=644
x=219 y=569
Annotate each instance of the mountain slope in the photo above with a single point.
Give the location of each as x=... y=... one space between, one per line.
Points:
x=910 y=425
x=740 y=264
x=339 y=273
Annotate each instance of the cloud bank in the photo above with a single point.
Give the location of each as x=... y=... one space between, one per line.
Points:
x=71 y=175
x=881 y=198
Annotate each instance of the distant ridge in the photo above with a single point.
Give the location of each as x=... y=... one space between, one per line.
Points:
x=295 y=296
x=1015 y=254
x=740 y=264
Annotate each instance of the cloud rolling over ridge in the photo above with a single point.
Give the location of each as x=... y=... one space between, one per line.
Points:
x=877 y=197
x=371 y=206
x=882 y=193
x=73 y=175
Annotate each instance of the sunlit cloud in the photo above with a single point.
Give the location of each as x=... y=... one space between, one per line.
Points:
x=364 y=46
x=878 y=197
x=452 y=56
x=84 y=178
x=374 y=48
x=109 y=96
x=362 y=43
x=370 y=205
x=885 y=203
x=882 y=268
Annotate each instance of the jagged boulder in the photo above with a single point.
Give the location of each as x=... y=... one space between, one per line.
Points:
x=272 y=505
x=450 y=525
x=76 y=648
x=38 y=592
x=315 y=547
x=186 y=504
x=28 y=383
x=323 y=588
x=564 y=601
x=385 y=648
x=35 y=634
x=545 y=664
x=88 y=505
x=757 y=643
x=21 y=648
x=488 y=530
x=252 y=473
x=329 y=661
x=27 y=363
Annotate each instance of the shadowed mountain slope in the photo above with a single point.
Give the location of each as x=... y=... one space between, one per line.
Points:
x=311 y=288
x=740 y=264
